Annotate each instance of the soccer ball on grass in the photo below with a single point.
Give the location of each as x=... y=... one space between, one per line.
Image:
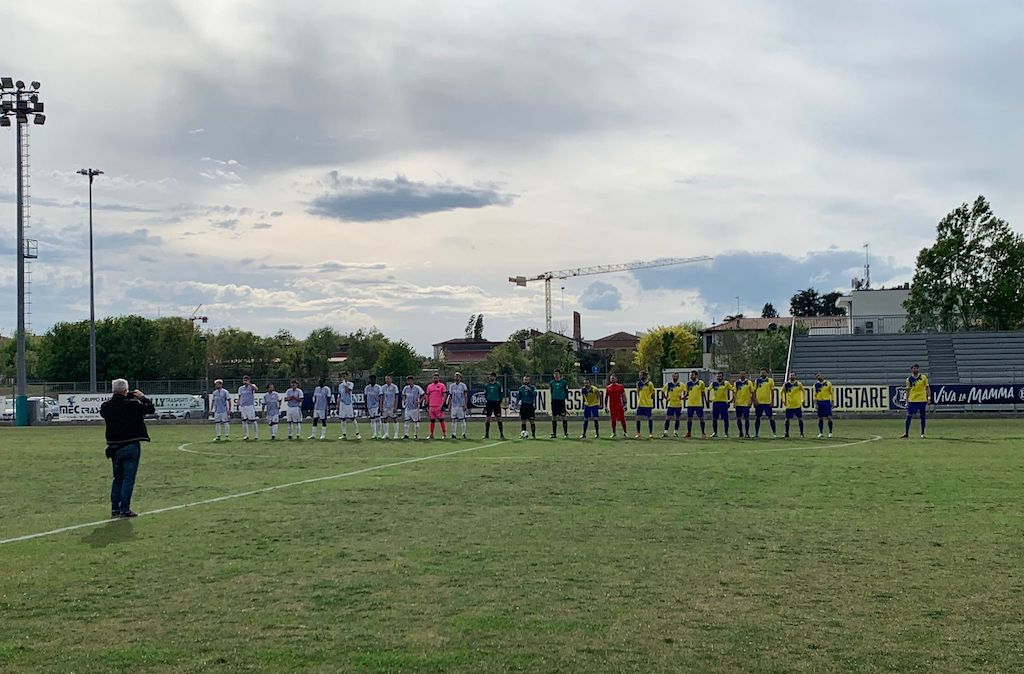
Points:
x=524 y=434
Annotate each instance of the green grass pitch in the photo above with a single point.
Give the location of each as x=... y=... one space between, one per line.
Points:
x=524 y=556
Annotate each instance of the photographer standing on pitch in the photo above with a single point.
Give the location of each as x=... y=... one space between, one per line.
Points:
x=125 y=415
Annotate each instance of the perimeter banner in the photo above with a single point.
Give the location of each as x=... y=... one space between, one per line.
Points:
x=86 y=406
x=874 y=398
x=963 y=394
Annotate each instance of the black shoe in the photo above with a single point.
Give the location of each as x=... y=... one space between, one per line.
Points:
x=501 y=437
x=114 y=514
x=128 y=513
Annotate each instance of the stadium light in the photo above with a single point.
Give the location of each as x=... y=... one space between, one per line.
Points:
x=91 y=173
x=20 y=103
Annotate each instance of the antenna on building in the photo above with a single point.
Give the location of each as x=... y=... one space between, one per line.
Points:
x=867 y=267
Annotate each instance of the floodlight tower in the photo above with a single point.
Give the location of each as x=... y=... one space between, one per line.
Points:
x=92 y=173
x=21 y=102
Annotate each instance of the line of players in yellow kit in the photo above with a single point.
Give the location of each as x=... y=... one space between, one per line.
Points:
x=742 y=394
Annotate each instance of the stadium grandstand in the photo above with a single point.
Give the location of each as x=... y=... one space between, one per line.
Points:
x=947 y=358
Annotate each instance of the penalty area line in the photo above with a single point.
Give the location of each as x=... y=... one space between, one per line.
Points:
x=251 y=492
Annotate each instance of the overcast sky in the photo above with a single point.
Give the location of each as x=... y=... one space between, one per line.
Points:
x=390 y=164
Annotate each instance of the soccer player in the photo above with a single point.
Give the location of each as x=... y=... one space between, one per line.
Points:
x=293 y=402
x=321 y=403
x=493 y=395
x=591 y=408
x=615 y=403
x=389 y=405
x=272 y=406
x=458 y=403
x=674 y=404
x=823 y=401
x=528 y=407
x=559 y=394
x=372 y=396
x=743 y=398
x=919 y=394
x=764 y=386
x=247 y=407
x=793 y=400
x=695 y=401
x=346 y=407
x=437 y=394
x=722 y=393
x=645 y=404
x=220 y=402
x=412 y=396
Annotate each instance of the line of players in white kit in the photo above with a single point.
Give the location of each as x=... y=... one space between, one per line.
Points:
x=383 y=403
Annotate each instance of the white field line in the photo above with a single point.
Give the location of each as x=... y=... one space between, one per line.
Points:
x=253 y=492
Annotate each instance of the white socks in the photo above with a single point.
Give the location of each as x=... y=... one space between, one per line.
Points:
x=225 y=425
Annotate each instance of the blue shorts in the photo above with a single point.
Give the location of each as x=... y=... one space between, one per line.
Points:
x=644 y=411
x=719 y=410
x=743 y=411
x=690 y=411
x=824 y=408
x=916 y=408
x=591 y=412
x=796 y=413
x=674 y=412
x=764 y=409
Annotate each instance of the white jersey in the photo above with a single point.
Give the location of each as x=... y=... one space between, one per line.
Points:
x=372 y=394
x=246 y=396
x=321 y=398
x=389 y=394
x=459 y=393
x=411 y=397
x=293 y=397
x=272 y=403
x=220 y=401
x=345 y=393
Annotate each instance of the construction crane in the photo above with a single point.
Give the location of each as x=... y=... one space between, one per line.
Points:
x=597 y=269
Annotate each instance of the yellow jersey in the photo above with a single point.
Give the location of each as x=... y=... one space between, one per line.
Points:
x=744 y=392
x=764 y=388
x=917 y=389
x=645 y=394
x=793 y=395
x=823 y=390
x=674 y=393
x=591 y=396
x=695 y=393
x=720 y=391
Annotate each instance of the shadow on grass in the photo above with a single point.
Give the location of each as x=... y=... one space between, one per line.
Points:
x=119 y=531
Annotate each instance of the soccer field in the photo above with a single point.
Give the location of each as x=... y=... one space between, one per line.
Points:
x=858 y=554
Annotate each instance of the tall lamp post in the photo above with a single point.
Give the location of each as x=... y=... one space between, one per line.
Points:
x=20 y=102
x=92 y=173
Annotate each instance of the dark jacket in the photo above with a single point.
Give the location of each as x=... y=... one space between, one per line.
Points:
x=125 y=419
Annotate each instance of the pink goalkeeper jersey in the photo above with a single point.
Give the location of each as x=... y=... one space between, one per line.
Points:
x=436 y=393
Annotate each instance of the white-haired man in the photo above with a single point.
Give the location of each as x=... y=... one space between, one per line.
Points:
x=125 y=415
x=220 y=403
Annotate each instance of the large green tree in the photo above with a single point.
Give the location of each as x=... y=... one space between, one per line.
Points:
x=666 y=347
x=972 y=277
x=399 y=360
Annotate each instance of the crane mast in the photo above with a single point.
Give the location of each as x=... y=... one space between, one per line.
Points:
x=596 y=269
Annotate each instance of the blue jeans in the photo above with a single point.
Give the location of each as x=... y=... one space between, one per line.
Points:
x=126 y=464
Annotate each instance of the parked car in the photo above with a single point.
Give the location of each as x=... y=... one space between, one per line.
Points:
x=49 y=407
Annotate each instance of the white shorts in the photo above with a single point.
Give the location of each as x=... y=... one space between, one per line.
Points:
x=248 y=412
x=272 y=419
x=412 y=415
x=295 y=415
x=389 y=414
x=221 y=417
x=346 y=412
x=458 y=413
x=320 y=414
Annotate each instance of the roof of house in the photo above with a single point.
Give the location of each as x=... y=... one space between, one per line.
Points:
x=757 y=324
x=618 y=336
x=464 y=344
